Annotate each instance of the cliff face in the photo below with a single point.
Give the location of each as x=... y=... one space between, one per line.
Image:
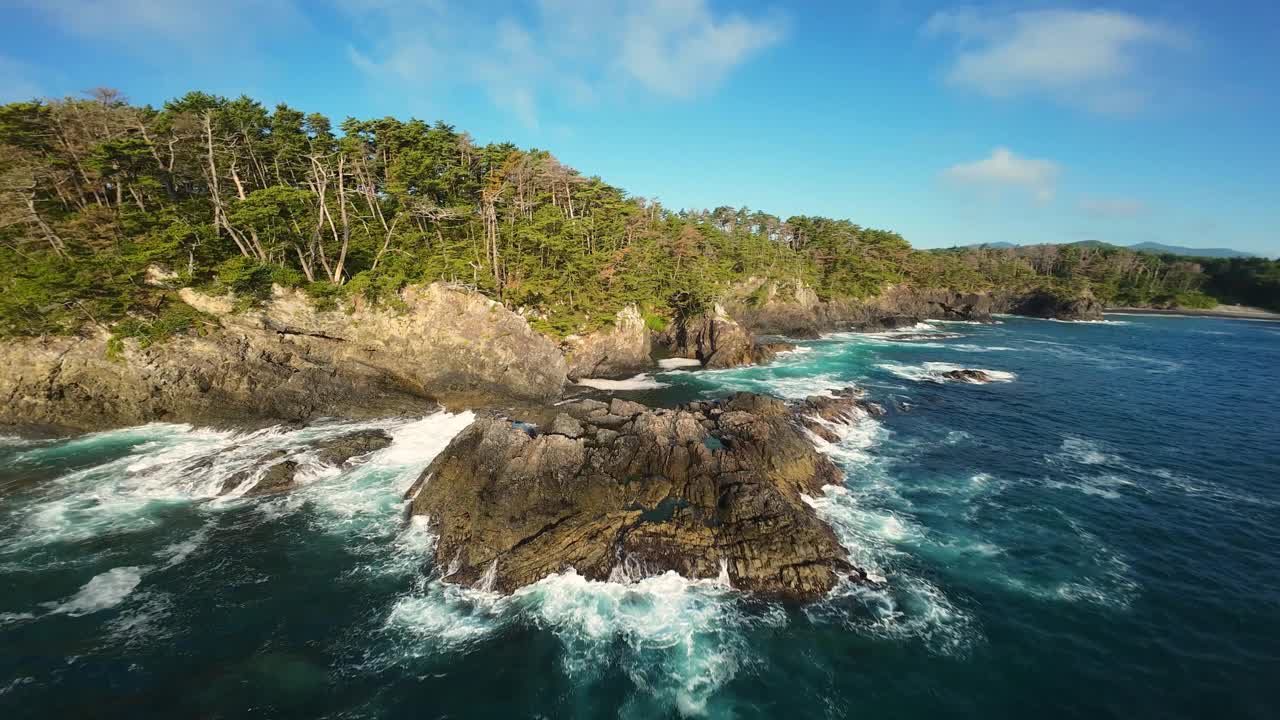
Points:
x=288 y=362
x=714 y=338
x=620 y=490
x=796 y=311
x=624 y=349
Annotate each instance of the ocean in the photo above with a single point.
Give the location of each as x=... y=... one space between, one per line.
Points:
x=1093 y=534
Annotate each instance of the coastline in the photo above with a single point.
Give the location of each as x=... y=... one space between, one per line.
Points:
x=1237 y=312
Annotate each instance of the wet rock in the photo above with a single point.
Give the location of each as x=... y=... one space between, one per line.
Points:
x=712 y=487
x=967 y=375
x=340 y=450
x=277 y=478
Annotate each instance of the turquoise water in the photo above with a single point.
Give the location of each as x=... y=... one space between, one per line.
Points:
x=1093 y=535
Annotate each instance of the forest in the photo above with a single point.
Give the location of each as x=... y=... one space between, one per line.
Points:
x=98 y=196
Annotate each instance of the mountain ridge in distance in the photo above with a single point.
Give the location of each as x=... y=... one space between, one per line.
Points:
x=1145 y=247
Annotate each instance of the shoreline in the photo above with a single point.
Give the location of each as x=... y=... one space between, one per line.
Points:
x=1235 y=313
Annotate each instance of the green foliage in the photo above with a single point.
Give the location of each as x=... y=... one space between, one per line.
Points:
x=234 y=196
x=247 y=278
x=655 y=322
x=175 y=318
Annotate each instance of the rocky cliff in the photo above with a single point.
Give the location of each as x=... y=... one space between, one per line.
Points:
x=287 y=362
x=709 y=490
x=715 y=339
x=1044 y=304
x=794 y=310
x=625 y=348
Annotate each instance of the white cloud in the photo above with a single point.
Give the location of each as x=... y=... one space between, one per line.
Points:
x=1094 y=59
x=1004 y=169
x=576 y=51
x=1112 y=207
x=678 y=48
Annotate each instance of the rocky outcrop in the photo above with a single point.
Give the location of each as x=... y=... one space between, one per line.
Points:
x=767 y=308
x=715 y=339
x=287 y=362
x=341 y=450
x=279 y=475
x=795 y=311
x=1048 y=304
x=967 y=375
x=622 y=350
x=713 y=489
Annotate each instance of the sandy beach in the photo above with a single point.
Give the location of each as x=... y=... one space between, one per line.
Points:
x=1240 y=312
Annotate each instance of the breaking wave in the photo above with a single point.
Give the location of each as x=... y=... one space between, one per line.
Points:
x=935 y=372
x=643 y=381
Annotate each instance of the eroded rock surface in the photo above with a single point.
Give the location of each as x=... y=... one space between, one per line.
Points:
x=622 y=490
x=287 y=362
x=623 y=349
x=1060 y=307
x=715 y=339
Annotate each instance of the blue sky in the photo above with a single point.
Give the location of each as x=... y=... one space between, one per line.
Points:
x=950 y=123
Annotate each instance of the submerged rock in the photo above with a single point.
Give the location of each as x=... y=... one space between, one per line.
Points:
x=713 y=489
x=968 y=375
x=277 y=478
x=362 y=442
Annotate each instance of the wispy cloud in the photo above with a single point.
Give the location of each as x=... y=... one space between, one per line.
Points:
x=1112 y=207
x=1095 y=59
x=575 y=51
x=191 y=25
x=1004 y=169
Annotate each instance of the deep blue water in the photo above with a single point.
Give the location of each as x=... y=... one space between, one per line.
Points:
x=1096 y=535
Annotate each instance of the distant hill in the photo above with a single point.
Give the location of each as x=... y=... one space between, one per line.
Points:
x=1195 y=252
x=1146 y=247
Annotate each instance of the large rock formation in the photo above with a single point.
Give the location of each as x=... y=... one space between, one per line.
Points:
x=1046 y=304
x=794 y=310
x=624 y=349
x=287 y=361
x=715 y=339
x=620 y=490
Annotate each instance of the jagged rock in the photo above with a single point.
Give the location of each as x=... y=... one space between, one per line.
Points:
x=967 y=375
x=712 y=486
x=566 y=425
x=622 y=350
x=715 y=339
x=278 y=478
x=1047 y=304
x=288 y=362
x=339 y=450
x=889 y=322
x=798 y=312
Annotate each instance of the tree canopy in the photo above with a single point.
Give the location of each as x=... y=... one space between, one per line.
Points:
x=231 y=194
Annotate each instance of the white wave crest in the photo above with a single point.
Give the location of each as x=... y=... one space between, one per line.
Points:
x=643 y=381
x=169 y=465
x=934 y=372
x=104 y=591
